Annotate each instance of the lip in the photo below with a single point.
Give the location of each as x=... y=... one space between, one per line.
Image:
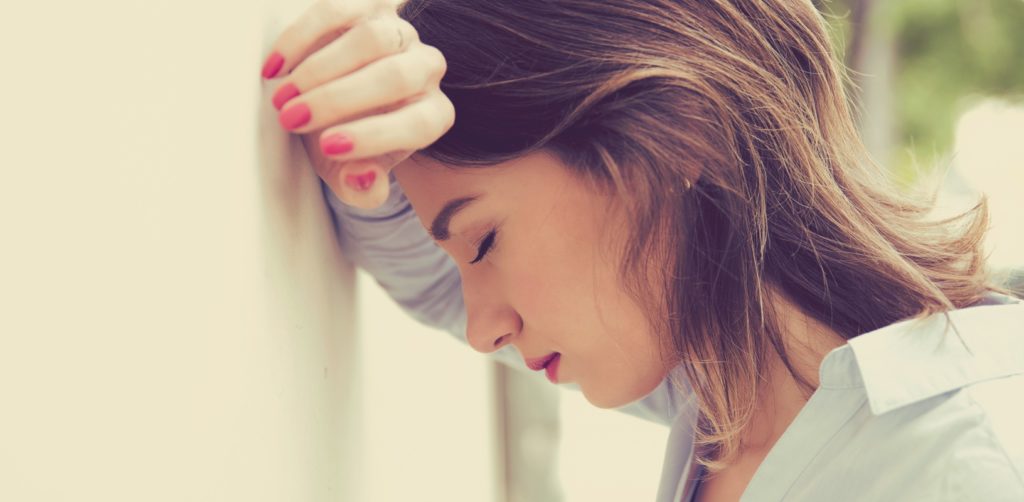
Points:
x=538 y=363
x=551 y=368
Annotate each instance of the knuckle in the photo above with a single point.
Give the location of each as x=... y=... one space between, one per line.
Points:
x=379 y=35
x=447 y=111
x=407 y=28
x=406 y=76
x=421 y=119
x=435 y=58
x=404 y=24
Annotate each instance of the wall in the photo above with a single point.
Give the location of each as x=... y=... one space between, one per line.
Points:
x=177 y=324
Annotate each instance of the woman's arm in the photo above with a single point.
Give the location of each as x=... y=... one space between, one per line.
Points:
x=391 y=245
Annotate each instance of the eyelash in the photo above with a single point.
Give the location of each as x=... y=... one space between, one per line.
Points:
x=485 y=246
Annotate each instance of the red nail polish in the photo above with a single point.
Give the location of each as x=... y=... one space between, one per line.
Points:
x=295 y=116
x=335 y=144
x=361 y=182
x=284 y=93
x=273 y=65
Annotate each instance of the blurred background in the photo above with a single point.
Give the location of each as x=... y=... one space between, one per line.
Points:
x=939 y=87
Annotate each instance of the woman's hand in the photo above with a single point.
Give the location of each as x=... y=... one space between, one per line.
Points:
x=363 y=92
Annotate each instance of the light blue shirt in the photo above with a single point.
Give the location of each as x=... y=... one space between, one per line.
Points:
x=914 y=411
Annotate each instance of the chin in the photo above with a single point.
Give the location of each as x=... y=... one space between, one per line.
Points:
x=615 y=398
x=605 y=403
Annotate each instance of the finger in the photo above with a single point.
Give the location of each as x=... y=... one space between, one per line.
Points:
x=323 y=22
x=380 y=83
x=360 y=183
x=364 y=43
x=342 y=176
x=372 y=192
x=412 y=127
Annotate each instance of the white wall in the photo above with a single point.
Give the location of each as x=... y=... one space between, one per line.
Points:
x=176 y=320
x=429 y=417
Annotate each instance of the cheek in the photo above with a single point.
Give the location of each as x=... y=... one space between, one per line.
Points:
x=551 y=282
x=568 y=294
x=548 y=287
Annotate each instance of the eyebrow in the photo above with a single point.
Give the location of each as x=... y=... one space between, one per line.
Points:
x=439 y=227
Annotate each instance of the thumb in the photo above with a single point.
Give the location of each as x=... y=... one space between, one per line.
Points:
x=365 y=183
x=347 y=179
x=361 y=183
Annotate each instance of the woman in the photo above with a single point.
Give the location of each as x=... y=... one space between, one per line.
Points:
x=666 y=203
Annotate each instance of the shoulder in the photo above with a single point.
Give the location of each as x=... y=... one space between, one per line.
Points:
x=962 y=445
x=945 y=406
x=987 y=462
x=915 y=360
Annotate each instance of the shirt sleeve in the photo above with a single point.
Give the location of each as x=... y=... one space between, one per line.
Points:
x=390 y=244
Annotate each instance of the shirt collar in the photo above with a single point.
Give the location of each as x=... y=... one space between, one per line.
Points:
x=913 y=360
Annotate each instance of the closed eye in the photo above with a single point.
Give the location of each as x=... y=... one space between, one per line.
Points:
x=485 y=246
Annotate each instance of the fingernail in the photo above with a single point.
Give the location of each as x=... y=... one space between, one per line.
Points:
x=361 y=182
x=284 y=93
x=337 y=143
x=273 y=65
x=294 y=116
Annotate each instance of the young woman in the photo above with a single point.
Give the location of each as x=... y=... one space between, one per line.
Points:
x=666 y=204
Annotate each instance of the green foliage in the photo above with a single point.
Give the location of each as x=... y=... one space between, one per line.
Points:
x=949 y=54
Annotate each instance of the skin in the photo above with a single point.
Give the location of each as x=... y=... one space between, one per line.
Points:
x=549 y=282
x=781 y=399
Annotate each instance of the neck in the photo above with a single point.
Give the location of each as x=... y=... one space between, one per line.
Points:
x=807 y=341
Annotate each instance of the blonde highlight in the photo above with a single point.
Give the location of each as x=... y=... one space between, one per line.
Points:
x=725 y=128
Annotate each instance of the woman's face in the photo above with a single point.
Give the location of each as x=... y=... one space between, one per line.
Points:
x=548 y=281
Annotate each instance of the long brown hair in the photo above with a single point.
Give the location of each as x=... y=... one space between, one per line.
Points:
x=724 y=126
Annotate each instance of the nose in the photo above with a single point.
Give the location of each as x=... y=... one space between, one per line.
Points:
x=491 y=323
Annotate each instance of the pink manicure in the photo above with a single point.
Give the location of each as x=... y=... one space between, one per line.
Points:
x=283 y=94
x=361 y=182
x=273 y=65
x=295 y=116
x=334 y=144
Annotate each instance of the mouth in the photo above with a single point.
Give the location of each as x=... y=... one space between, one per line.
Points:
x=539 y=363
x=551 y=368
